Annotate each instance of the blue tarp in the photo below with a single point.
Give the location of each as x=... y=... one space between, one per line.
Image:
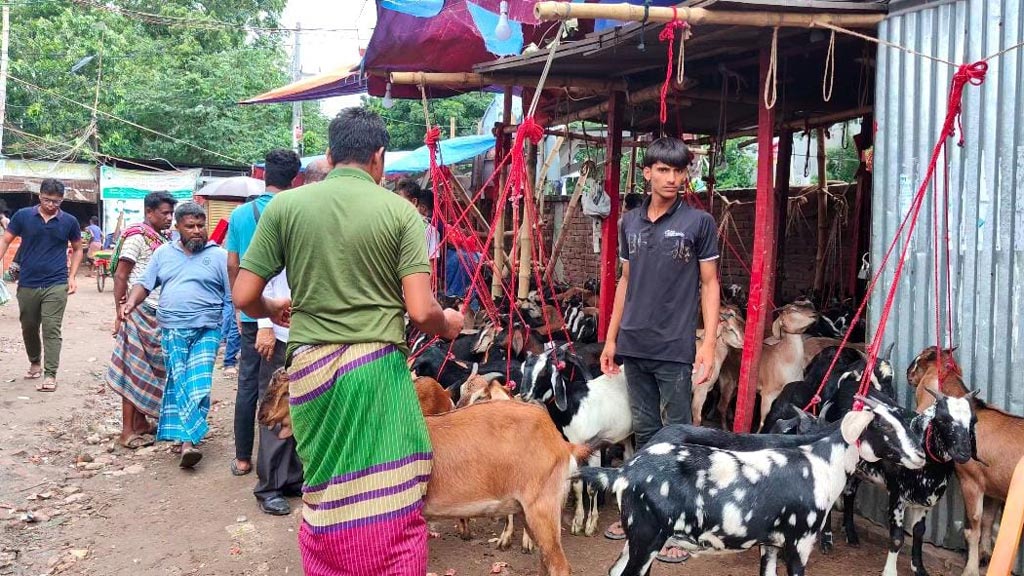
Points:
x=452 y=151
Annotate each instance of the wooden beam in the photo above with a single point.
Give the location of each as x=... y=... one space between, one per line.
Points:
x=800 y=124
x=610 y=226
x=647 y=94
x=861 y=207
x=499 y=207
x=819 y=254
x=473 y=80
x=762 y=281
x=546 y=11
x=783 y=166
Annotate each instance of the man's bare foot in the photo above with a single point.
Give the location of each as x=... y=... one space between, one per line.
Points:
x=34 y=371
x=615 y=532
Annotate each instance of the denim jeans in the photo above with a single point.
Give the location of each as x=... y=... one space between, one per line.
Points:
x=659 y=395
x=231 y=339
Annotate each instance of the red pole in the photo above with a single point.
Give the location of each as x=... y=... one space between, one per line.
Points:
x=610 y=226
x=762 y=280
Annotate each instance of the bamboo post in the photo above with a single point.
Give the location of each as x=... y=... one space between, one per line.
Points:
x=525 y=236
x=472 y=80
x=631 y=175
x=546 y=11
x=542 y=180
x=819 y=256
x=451 y=132
x=499 y=220
x=570 y=210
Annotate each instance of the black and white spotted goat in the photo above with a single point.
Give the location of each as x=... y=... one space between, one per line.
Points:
x=947 y=433
x=587 y=410
x=714 y=499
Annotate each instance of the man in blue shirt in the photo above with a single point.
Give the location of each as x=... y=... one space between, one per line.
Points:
x=192 y=274
x=44 y=283
x=278 y=469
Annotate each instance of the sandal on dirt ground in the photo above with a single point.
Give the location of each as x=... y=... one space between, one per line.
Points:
x=49 y=384
x=190 y=457
x=136 y=441
x=673 y=560
x=612 y=535
x=236 y=471
x=33 y=374
x=176 y=448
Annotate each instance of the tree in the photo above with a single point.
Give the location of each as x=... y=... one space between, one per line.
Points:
x=407 y=126
x=180 y=80
x=740 y=168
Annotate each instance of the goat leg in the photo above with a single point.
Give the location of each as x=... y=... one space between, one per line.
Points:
x=896 y=513
x=769 y=561
x=849 y=499
x=795 y=562
x=915 y=520
x=974 y=498
x=700 y=395
x=827 y=542
x=592 y=516
x=462 y=529
x=505 y=538
x=988 y=518
x=528 y=546
x=578 y=517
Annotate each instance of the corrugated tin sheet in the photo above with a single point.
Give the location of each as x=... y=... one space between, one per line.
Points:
x=987 y=203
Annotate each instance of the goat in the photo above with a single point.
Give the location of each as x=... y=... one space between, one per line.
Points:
x=999 y=446
x=782 y=357
x=814 y=345
x=946 y=431
x=433 y=398
x=711 y=499
x=472 y=478
x=730 y=337
x=585 y=409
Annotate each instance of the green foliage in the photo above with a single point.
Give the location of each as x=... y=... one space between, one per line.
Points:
x=842 y=163
x=184 y=81
x=740 y=170
x=407 y=125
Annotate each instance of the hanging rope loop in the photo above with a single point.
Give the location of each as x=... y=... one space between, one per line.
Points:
x=772 y=81
x=668 y=34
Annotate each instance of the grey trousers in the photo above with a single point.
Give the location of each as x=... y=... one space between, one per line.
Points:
x=659 y=395
x=278 y=469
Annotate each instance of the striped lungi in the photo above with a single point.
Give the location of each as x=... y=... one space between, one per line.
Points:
x=366 y=458
x=190 y=354
x=136 y=369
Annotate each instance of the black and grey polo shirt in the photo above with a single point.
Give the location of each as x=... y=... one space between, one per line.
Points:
x=659 y=319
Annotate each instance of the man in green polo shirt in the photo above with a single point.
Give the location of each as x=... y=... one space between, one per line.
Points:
x=356 y=257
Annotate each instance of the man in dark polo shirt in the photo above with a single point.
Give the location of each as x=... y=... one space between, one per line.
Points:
x=669 y=252
x=45 y=283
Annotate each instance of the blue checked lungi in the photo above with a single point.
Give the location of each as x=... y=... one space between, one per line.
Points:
x=190 y=354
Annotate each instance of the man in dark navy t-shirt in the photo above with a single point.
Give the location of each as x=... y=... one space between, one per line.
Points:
x=44 y=283
x=669 y=254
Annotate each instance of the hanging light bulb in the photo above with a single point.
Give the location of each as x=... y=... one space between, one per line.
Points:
x=388 y=102
x=503 y=31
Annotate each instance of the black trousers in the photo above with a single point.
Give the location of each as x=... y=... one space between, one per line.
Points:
x=659 y=394
x=278 y=468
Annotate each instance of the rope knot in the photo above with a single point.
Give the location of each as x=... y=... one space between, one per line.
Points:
x=973 y=73
x=529 y=129
x=433 y=137
x=858 y=406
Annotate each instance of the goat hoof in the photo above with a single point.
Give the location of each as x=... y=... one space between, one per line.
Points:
x=504 y=544
x=577 y=528
x=827 y=546
x=853 y=540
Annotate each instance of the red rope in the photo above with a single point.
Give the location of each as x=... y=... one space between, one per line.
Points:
x=669 y=34
x=973 y=74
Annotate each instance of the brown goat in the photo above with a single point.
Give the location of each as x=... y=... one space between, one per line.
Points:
x=730 y=337
x=782 y=357
x=815 y=344
x=1000 y=438
x=434 y=399
x=474 y=478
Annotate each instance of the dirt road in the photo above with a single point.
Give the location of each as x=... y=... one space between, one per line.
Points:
x=73 y=502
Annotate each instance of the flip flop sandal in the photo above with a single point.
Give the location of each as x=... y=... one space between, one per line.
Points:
x=30 y=375
x=136 y=441
x=236 y=471
x=49 y=384
x=190 y=457
x=673 y=559
x=614 y=535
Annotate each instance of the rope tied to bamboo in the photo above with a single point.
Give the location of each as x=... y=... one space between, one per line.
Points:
x=668 y=34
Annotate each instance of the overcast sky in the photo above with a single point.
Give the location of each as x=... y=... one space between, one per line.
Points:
x=323 y=51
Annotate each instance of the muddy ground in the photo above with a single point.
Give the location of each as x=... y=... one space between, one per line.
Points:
x=73 y=502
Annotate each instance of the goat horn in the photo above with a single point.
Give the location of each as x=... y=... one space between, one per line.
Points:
x=888 y=351
x=936 y=395
x=869 y=402
x=974 y=393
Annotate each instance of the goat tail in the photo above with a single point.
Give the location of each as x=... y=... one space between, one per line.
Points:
x=582 y=452
x=601 y=478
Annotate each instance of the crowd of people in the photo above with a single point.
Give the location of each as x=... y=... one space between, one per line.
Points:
x=321 y=280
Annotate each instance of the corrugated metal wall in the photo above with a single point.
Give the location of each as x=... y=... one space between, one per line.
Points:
x=986 y=203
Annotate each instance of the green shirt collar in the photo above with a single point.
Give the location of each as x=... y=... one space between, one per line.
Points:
x=347 y=172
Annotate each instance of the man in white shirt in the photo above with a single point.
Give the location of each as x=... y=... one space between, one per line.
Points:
x=278 y=468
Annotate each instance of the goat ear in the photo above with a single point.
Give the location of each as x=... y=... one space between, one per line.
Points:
x=854 y=424
x=518 y=342
x=888 y=352
x=777 y=328
x=561 y=400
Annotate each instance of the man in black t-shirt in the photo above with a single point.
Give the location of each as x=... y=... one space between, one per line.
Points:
x=669 y=253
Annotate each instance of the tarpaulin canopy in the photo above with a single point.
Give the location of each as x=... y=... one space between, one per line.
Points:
x=452 y=151
x=341 y=81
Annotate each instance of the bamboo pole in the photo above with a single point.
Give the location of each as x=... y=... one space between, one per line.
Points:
x=647 y=94
x=499 y=217
x=570 y=210
x=525 y=236
x=819 y=256
x=800 y=124
x=546 y=11
x=542 y=181
x=473 y=80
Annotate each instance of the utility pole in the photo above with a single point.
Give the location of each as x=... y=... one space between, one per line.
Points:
x=3 y=71
x=297 y=106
